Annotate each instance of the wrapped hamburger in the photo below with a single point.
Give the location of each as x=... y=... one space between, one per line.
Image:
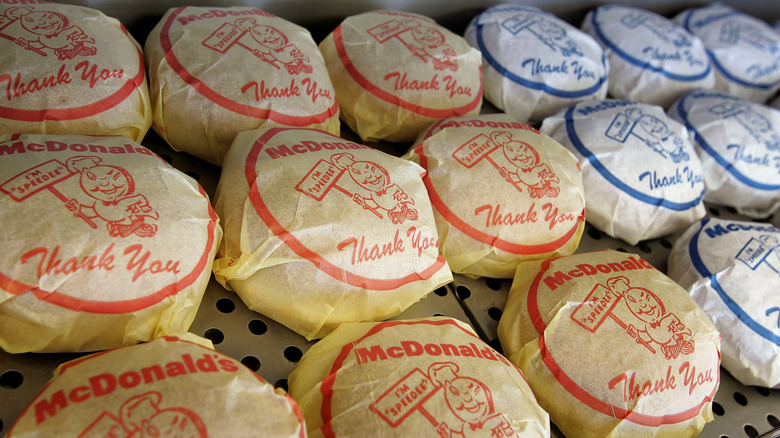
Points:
x=641 y=175
x=502 y=193
x=70 y=70
x=320 y=230
x=611 y=346
x=424 y=377
x=105 y=244
x=217 y=71
x=732 y=270
x=744 y=50
x=534 y=63
x=651 y=58
x=738 y=143
x=395 y=73
x=168 y=387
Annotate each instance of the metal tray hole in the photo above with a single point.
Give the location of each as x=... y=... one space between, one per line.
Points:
x=717 y=409
x=442 y=291
x=594 y=233
x=281 y=384
x=740 y=398
x=11 y=379
x=495 y=313
x=462 y=292
x=493 y=283
x=215 y=335
x=714 y=211
x=763 y=391
x=251 y=362
x=772 y=420
x=644 y=247
x=665 y=243
x=751 y=431
x=258 y=327
x=293 y=353
x=496 y=344
x=225 y=305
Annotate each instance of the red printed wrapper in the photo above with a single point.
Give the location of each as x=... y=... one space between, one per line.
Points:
x=70 y=70
x=395 y=73
x=215 y=72
x=502 y=193
x=321 y=231
x=424 y=377
x=105 y=244
x=166 y=387
x=611 y=346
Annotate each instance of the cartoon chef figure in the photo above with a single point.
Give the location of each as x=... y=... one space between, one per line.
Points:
x=275 y=48
x=657 y=135
x=653 y=324
x=428 y=42
x=528 y=169
x=141 y=417
x=772 y=245
x=471 y=402
x=735 y=32
x=116 y=202
x=381 y=192
x=758 y=125
x=555 y=37
x=661 y=27
x=51 y=31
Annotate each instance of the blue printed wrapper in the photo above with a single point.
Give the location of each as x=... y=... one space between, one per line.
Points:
x=534 y=63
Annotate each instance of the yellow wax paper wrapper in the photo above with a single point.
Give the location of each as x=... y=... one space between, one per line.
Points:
x=166 y=387
x=425 y=377
x=215 y=72
x=611 y=346
x=502 y=193
x=396 y=72
x=105 y=244
x=70 y=70
x=320 y=230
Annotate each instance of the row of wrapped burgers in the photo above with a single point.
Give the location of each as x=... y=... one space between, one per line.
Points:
x=633 y=118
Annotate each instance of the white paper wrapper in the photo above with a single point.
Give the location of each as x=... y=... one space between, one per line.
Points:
x=105 y=244
x=215 y=72
x=738 y=143
x=732 y=270
x=744 y=50
x=641 y=175
x=502 y=193
x=612 y=347
x=164 y=388
x=425 y=377
x=70 y=70
x=395 y=73
x=321 y=231
x=534 y=63
x=651 y=58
